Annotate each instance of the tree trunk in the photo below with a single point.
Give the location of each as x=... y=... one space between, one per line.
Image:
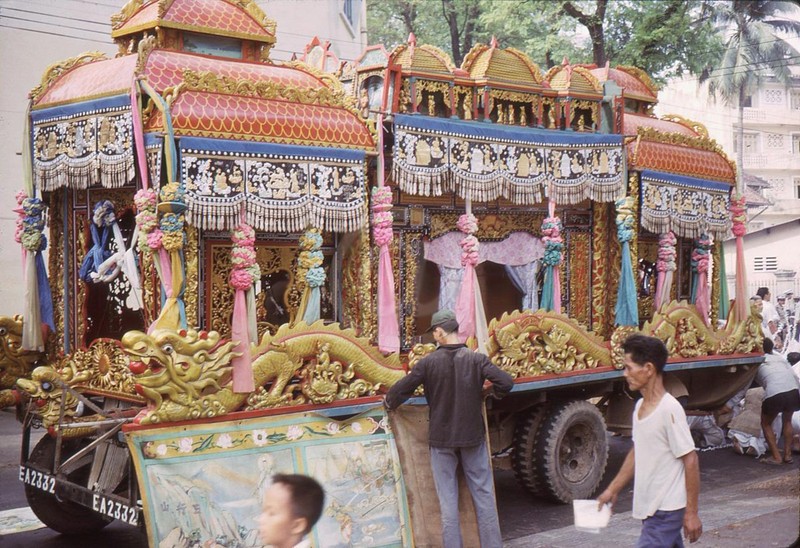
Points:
x=449 y=11
x=594 y=24
x=740 y=145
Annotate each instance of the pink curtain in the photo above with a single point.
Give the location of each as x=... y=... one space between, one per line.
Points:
x=465 y=305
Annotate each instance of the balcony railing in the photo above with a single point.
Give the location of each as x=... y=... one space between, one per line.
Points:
x=776 y=160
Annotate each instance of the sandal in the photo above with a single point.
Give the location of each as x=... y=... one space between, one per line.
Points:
x=788 y=460
x=770 y=460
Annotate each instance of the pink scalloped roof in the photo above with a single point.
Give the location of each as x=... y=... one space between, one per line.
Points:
x=634 y=121
x=211 y=16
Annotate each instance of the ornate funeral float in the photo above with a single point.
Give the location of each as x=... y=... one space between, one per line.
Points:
x=244 y=255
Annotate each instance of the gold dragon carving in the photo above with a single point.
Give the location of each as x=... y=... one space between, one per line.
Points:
x=15 y=363
x=101 y=369
x=188 y=375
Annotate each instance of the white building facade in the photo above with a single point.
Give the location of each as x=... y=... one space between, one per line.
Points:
x=34 y=34
x=772 y=154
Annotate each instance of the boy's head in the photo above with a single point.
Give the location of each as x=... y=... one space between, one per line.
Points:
x=769 y=346
x=764 y=293
x=793 y=357
x=292 y=505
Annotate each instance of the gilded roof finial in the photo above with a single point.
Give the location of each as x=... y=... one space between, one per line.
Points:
x=494 y=44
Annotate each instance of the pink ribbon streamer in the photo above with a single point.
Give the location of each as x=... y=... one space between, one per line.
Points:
x=465 y=305
x=242 y=365
x=138 y=136
x=388 y=327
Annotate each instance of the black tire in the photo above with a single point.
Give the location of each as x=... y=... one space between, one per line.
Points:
x=571 y=451
x=523 y=456
x=65 y=517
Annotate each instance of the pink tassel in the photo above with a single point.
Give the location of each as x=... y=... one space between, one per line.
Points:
x=242 y=365
x=388 y=328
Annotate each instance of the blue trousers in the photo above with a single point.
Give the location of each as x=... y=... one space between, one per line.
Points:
x=476 y=464
x=662 y=530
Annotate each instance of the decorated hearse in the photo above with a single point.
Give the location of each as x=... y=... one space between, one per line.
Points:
x=244 y=256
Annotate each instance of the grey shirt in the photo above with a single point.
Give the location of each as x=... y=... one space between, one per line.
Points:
x=776 y=376
x=453 y=378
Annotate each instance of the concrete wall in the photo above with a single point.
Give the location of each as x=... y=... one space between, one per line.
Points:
x=36 y=33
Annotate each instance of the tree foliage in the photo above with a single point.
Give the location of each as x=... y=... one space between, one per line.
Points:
x=663 y=37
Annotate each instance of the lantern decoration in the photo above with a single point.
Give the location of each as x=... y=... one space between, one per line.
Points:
x=469 y=305
x=666 y=267
x=310 y=268
x=388 y=325
x=701 y=296
x=553 y=251
x=30 y=234
x=739 y=217
x=626 y=311
x=243 y=275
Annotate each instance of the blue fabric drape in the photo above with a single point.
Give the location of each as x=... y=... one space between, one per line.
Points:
x=626 y=311
x=45 y=298
x=97 y=254
x=547 y=289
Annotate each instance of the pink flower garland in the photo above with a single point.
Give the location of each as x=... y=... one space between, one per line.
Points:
x=381 y=215
x=20 y=196
x=147 y=220
x=245 y=269
x=739 y=216
x=666 y=252
x=468 y=224
x=553 y=242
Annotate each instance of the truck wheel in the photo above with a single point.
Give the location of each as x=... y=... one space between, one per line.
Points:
x=571 y=451
x=523 y=455
x=65 y=517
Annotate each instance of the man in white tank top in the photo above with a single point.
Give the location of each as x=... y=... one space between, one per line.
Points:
x=662 y=462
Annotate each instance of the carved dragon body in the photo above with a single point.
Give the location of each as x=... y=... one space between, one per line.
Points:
x=188 y=375
x=15 y=363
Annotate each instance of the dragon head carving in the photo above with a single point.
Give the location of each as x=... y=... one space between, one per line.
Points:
x=44 y=390
x=178 y=366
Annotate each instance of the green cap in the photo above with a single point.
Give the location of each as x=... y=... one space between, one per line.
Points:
x=444 y=319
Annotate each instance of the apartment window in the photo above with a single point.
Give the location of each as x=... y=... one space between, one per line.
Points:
x=765 y=264
x=796 y=143
x=750 y=142
x=795 y=95
x=774 y=140
x=773 y=96
x=797 y=187
x=348 y=9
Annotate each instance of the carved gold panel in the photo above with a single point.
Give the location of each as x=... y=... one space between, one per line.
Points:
x=491 y=226
x=580 y=257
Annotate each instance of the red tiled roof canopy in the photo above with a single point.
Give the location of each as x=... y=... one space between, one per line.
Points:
x=218 y=17
x=216 y=115
x=681 y=160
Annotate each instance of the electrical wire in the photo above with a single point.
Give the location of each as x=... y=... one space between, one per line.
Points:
x=58 y=17
x=56 y=26
x=57 y=34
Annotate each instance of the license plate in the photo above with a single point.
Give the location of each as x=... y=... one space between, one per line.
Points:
x=39 y=480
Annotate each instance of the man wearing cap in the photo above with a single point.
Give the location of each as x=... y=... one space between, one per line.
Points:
x=453 y=377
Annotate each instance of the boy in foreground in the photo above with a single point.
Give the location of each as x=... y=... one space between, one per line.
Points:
x=662 y=460
x=292 y=505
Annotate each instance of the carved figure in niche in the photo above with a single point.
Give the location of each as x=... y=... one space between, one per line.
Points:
x=422 y=153
x=534 y=163
x=565 y=165
x=523 y=116
x=436 y=151
x=576 y=165
x=236 y=177
x=581 y=125
x=349 y=178
x=294 y=183
x=204 y=179
x=363 y=103
x=512 y=115
x=221 y=182
x=551 y=118
x=604 y=167
x=108 y=133
x=52 y=145
x=463 y=154
x=476 y=162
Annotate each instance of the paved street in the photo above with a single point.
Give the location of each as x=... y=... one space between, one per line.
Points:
x=743 y=503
